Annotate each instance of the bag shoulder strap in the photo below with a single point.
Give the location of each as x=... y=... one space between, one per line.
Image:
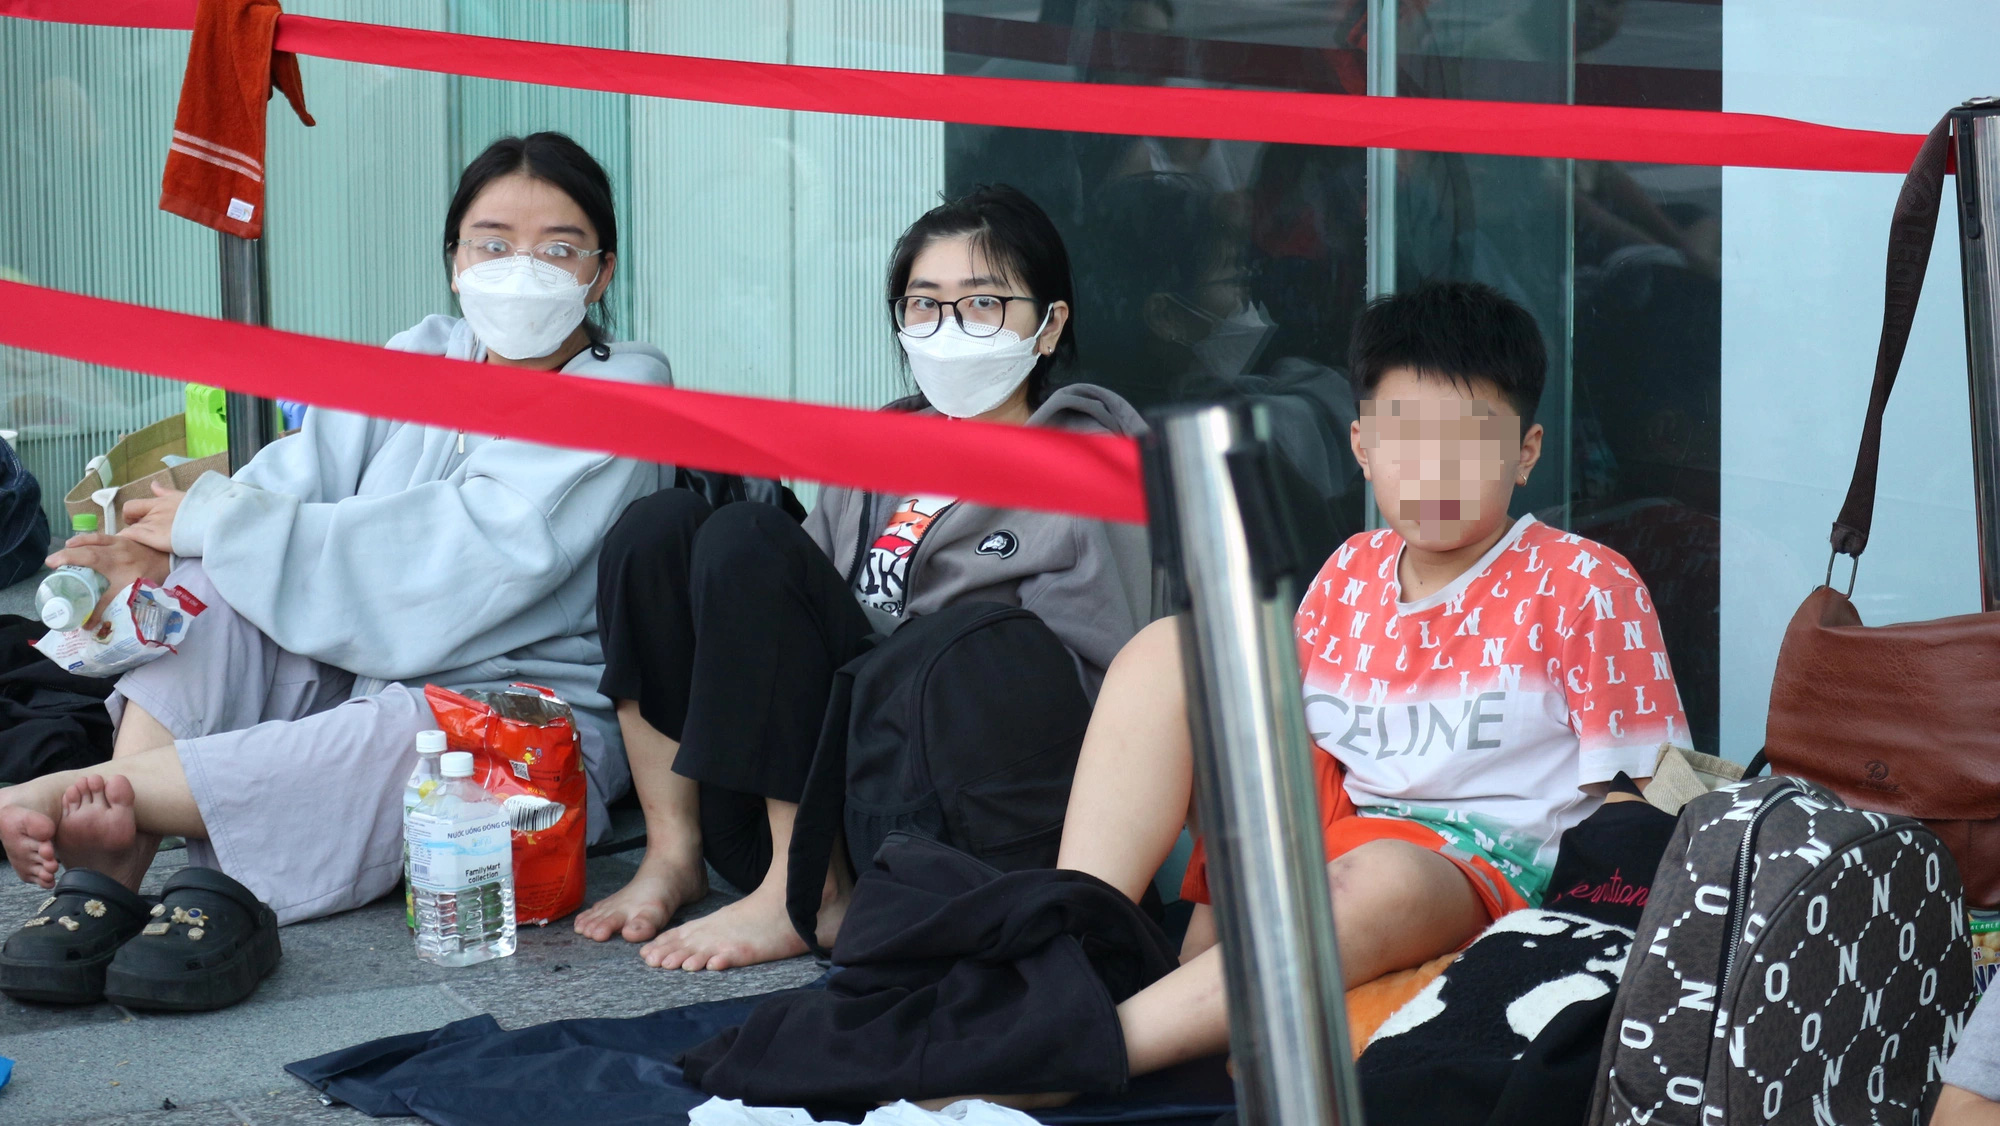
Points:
x=1911 y=234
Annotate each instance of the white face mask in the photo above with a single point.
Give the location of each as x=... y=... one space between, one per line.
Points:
x=519 y=307
x=1232 y=343
x=965 y=376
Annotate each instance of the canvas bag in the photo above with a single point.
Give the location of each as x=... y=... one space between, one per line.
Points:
x=1798 y=962
x=1904 y=719
x=963 y=727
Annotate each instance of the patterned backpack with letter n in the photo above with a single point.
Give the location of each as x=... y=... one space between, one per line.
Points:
x=1798 y=961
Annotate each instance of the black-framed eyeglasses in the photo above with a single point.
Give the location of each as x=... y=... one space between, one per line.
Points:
x=979 y=314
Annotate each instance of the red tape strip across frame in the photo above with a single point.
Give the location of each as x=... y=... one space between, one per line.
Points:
x=1658 y=136
x=1090 y=475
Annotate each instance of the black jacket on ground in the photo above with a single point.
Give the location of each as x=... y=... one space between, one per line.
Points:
x=620 y=1072
x=952 y=979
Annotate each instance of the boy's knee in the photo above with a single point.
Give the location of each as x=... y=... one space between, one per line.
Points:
x=1379 y=871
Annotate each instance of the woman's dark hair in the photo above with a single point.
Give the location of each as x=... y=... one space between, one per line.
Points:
x=1016 y=238
x=1453 y=330
x=554 y=159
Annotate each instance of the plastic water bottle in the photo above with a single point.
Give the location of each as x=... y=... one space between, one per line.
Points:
x=66 y=599
x=461 y=870
x=425 y=778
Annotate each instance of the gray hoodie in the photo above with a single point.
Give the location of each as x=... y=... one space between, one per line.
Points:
x=1090 y=580
x=399 y=554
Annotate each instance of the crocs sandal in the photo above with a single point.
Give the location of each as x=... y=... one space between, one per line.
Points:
x=60 y=954
x=208 y=944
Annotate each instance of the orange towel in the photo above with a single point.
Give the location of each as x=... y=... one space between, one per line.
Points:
x=1372 y=1003
x=215 y=164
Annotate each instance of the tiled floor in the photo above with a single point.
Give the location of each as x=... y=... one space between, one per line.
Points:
x=343 y=980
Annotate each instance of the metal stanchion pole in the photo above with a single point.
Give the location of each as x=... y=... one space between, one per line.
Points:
x=246 y=290
x=1219 y=532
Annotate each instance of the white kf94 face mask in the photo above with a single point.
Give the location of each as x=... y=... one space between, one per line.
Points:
x=963 y=375
x=519 y=307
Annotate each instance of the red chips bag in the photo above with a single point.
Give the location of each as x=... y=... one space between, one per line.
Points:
x=525 y=752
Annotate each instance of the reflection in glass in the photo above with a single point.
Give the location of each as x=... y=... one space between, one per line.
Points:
x=1217 y=269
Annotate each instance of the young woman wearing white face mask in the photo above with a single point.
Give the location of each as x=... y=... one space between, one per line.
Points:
x=350 y=564
x=723 y=627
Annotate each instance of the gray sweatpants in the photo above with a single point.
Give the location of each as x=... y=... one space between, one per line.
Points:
x=299 y=781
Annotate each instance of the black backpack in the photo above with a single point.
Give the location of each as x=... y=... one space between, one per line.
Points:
x=24 y=528
x=962 y=727
x=1798 y=961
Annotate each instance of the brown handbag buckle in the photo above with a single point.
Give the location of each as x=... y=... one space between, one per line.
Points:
x=1851 y=572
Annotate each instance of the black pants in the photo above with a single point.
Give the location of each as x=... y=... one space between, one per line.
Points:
x=725 y=626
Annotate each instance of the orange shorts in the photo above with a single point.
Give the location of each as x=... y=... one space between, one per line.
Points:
x=1345 y=830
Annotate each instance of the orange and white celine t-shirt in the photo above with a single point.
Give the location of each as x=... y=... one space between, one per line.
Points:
x=1481 y=710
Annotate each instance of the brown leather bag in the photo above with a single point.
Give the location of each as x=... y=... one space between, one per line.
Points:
x=1905 y=718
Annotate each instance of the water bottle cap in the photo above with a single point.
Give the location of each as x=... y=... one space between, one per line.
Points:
x=83 y=522
x=58 y=614
x=430 y=742
x=456 y=764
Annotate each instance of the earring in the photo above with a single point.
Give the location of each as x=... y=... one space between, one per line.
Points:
x=1524 y=478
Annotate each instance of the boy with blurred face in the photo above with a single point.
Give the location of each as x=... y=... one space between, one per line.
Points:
x=1471 y=682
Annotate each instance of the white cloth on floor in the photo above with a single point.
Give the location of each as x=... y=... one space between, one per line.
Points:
x=968 y=1112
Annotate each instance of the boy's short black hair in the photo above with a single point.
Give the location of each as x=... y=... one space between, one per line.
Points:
x=1460 y=331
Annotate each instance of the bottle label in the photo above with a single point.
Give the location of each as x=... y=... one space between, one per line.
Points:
x=451 y=856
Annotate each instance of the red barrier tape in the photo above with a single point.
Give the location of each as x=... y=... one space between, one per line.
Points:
x=1657 y=136
x=1087 y=475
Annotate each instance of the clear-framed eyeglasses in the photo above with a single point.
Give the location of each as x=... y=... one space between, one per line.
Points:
x=979 y=314
x=566 y=256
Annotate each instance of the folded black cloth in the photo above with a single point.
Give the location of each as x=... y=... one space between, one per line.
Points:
x=50 y=718
x=620 y=1072
x=952 y=979
x=1605 y=865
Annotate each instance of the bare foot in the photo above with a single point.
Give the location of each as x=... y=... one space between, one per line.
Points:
x=99 y=830
x=28 y=817
x=644 y=906
x=750 y=931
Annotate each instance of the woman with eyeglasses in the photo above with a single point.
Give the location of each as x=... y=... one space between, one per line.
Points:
x=723 y=626
x=347 y=566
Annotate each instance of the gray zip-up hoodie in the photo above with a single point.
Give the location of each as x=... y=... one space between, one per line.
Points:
x=1090 y=580
x=399 y=554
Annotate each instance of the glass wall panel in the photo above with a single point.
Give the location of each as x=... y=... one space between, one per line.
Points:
x=1204 y=269
x=753 y=242
x=1212 y=268
x=80 y=163
x=1802 y=310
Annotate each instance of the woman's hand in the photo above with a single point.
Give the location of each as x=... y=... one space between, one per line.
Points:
x=151 y=522
x=120 y=559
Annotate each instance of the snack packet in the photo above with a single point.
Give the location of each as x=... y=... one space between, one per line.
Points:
x=1985 y=950
x=526 y=752
x=141 y=624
